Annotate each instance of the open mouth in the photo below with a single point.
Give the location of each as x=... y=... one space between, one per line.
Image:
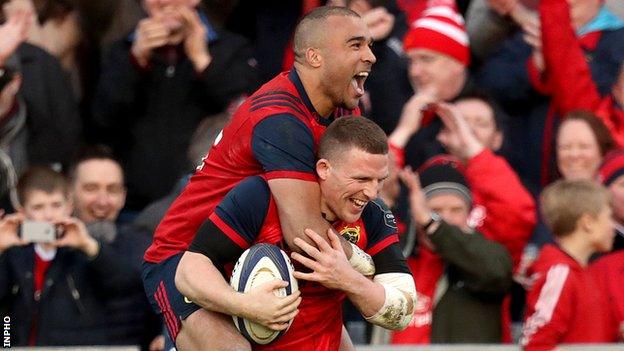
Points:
x=358 y=82
x=359 y=204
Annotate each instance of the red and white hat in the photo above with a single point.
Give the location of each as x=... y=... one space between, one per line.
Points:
x=440 y=29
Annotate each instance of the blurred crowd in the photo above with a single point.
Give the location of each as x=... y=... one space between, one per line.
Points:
x=107 y=106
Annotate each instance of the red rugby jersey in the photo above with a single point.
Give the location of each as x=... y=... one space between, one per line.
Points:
x=275 y=132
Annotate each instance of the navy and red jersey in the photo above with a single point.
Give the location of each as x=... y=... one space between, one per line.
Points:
x=275 y=132
x=565 y=305
x=248 y=215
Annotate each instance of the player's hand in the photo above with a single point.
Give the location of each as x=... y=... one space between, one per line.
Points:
x=274 y=312
x=9 y=236
x=411 y=118
x=457 y=136
x=75 y=235
x=151 y=33
x=328 y=261
x=195 y=45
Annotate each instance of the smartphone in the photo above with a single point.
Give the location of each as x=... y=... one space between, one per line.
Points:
x=38 y=232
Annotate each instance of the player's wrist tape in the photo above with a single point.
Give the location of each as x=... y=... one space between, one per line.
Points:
x=361 y=261
x=398 y=308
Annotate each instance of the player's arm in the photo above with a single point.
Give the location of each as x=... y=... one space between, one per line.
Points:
x=202 y=282
x=284 y=146
x=387 y=300
x=221 y=239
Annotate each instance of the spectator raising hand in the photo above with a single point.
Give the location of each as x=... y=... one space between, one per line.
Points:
x=13 y=32
x=411 y=118
x=457 y=136
x=195 y=44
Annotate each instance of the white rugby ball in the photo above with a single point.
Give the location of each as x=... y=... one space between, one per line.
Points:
x=259 y=264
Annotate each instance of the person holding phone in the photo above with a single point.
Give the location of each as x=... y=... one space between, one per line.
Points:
x=53 y=285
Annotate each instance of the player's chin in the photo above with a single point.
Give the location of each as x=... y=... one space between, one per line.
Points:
x=351 y=102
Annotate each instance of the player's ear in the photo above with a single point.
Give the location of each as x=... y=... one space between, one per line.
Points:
x=314 y=57
x=322 y=168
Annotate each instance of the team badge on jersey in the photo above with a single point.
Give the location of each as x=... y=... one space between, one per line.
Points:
x=351 y=234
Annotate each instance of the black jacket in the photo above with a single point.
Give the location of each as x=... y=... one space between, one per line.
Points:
x=71 y=309
x=149 y=116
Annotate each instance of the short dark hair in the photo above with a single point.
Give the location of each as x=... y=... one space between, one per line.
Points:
x=92 y=152
x=353 y=131
x=501 y=120
x=40 y=178
x=312 y=22
x=599 y=129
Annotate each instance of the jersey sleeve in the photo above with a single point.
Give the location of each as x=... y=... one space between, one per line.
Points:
x=284 y=146
x=380 y=227
x=549 y=310
x=236 y=221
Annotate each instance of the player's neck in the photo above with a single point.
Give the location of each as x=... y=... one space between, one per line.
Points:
x=312 y=86
x=327 y=214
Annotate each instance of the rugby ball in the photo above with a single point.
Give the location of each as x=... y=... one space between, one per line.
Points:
x=259 y=264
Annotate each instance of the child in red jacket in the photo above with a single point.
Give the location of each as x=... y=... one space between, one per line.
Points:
x=565 y=303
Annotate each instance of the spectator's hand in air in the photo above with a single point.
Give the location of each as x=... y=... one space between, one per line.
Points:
x=533 y=36
x=328 y=261
x=456 y=136
x=9 y=235
x=420 y=212
x=503 y=7
x=151 y=33
x=7 y=95
x=265 y=307
x=13 y=32
x=195 y=44
x=75 y=235
x=379 y=22
x=418 y=204
x=411 y=118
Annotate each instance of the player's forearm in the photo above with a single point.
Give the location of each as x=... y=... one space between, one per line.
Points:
x=367 y=296
x=210 y=290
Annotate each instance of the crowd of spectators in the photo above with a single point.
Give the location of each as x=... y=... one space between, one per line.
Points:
x=107 y=106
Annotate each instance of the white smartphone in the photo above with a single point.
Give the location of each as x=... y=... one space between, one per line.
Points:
x=38 y=232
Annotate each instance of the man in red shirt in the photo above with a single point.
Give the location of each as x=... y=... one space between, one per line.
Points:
x=275 y=132
x=352 y=162
x=565 y=303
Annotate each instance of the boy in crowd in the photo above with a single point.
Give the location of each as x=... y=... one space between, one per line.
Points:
x=54 y=291
x=565 y=304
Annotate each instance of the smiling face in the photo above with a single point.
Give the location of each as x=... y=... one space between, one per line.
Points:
x=349 y=182
x=578 y=153
x=99 y=192
x=346 y=60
